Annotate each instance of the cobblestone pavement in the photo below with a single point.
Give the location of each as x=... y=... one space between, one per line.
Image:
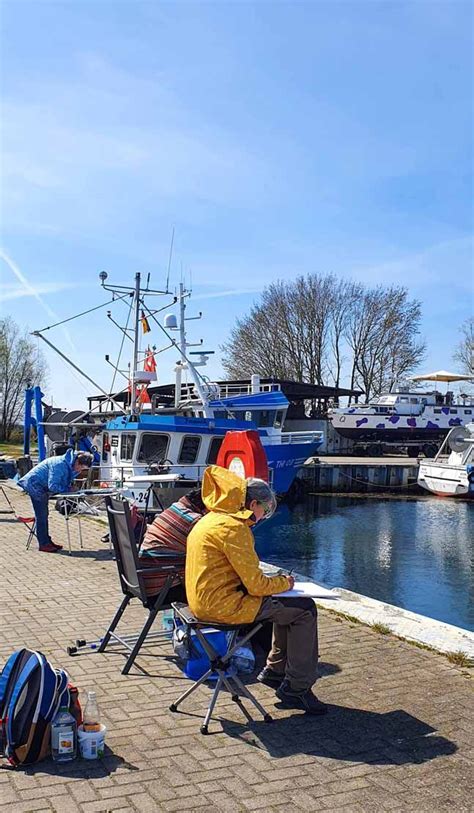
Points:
x=398 y=736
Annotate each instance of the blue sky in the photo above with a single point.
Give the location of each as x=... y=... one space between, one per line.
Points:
x=276 y=138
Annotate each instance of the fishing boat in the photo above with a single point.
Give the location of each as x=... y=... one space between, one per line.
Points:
x=451 y=472
x=147 y=442
x=406 y=417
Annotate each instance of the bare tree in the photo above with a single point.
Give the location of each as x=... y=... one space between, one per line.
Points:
x=20 y=364
x=303 y=330
x=382 y=332
x=464 y=352
x=344 y=295
x=286 y=334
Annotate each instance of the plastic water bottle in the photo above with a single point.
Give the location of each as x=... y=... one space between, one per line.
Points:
x=91 y=717
x=167 y=622
x=64 y=736
x=180 y=644
x=243 y=660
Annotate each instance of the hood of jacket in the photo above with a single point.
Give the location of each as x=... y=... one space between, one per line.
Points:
x=224 y=492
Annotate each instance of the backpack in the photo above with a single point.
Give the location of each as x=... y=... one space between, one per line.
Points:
x=31 y=692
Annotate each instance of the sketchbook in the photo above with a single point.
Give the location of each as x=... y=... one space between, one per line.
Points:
x=308 y=589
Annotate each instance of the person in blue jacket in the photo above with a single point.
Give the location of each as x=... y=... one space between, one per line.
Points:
x=54 y=475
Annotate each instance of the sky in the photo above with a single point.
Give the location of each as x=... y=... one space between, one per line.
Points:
x=276 y=139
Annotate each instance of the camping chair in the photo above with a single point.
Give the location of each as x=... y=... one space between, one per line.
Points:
x=28 y=522
x=132 y=579
x=219 y=664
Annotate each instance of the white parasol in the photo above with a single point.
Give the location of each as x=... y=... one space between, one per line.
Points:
x=442 y=375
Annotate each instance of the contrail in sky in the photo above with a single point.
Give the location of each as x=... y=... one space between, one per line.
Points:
x=32 y=291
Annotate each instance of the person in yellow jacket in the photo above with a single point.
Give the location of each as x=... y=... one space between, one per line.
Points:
x=224 y=584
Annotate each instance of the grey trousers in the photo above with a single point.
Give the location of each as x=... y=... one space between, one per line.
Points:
x=294 y=651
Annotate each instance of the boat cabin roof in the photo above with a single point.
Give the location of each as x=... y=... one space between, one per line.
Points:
x=176 y=423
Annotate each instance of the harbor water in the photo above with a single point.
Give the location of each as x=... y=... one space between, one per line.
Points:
x=415 y=553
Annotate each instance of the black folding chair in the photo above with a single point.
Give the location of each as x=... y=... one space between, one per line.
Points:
x=219 y=664
x=132 y=581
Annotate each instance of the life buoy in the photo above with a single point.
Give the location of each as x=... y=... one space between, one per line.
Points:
x=243 y=453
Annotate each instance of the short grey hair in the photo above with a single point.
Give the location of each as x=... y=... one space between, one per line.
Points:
x=260 y=491
x=85 y=459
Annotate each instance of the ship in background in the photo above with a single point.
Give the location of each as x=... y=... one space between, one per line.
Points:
x=406 y=418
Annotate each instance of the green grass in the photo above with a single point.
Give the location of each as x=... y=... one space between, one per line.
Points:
x=459 y=658
x=13 y=449
x=382 y=629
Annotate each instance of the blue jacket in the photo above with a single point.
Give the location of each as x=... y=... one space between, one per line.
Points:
x=52 y=476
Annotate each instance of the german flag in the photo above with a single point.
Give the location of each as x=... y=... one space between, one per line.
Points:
x=144 y=321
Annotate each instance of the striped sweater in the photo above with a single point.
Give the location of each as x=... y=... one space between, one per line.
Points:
x=168 y=530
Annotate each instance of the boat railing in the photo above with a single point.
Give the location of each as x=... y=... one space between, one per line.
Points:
x=232 y=390
x=294 y=437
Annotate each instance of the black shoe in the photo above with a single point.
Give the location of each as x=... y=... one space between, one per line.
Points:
x=304 y=699
x=270 y=678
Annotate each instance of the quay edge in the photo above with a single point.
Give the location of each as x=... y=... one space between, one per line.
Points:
x=420 y=629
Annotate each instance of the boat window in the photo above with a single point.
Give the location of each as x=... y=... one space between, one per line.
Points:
x=189 y=449
x=424 y=400
x=453 y=412
x=248 y=416
x=214 y=447
x=438 y=411
x=127 y=445
x=403 y=400
x=414 y=401
x=468 y=411
x=153 y=447
x=264 y=417
x=278 y=423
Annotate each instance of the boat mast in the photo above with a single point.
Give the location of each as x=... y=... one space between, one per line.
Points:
x=133 y=398
x=198 y=382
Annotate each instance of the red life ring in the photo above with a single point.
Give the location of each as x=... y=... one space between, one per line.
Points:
x=243 y=453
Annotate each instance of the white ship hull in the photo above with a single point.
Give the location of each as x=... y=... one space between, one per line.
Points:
x=445 y=480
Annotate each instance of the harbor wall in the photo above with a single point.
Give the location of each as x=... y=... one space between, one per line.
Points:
x=343 y=475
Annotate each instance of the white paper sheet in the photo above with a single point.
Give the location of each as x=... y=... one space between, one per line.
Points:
x=308 y=589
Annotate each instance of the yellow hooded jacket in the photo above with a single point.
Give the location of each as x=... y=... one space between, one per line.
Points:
x=220 y=555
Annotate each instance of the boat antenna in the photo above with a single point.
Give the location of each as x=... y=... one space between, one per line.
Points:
x=169 y=262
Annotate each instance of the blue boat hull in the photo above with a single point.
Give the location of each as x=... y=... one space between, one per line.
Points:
x=285 y=460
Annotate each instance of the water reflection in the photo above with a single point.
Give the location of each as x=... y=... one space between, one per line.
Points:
x=417 y=554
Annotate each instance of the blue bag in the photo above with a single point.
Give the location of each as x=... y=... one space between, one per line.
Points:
x=31 y=692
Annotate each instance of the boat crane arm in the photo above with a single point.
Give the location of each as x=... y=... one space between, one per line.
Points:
x=39 y=335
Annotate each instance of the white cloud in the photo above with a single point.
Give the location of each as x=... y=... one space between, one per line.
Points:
x=233 y=292
x=11 y=291
x=31 y=291
x=449 y=262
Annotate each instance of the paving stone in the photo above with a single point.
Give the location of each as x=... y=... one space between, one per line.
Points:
x=398 y=736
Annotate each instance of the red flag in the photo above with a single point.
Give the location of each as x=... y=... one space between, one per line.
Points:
x=143 y=397
x=149 y=364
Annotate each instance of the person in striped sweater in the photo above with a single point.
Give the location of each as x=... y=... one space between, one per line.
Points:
x=169 y=530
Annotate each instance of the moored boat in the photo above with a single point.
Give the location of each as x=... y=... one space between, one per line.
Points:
x=451 y=472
